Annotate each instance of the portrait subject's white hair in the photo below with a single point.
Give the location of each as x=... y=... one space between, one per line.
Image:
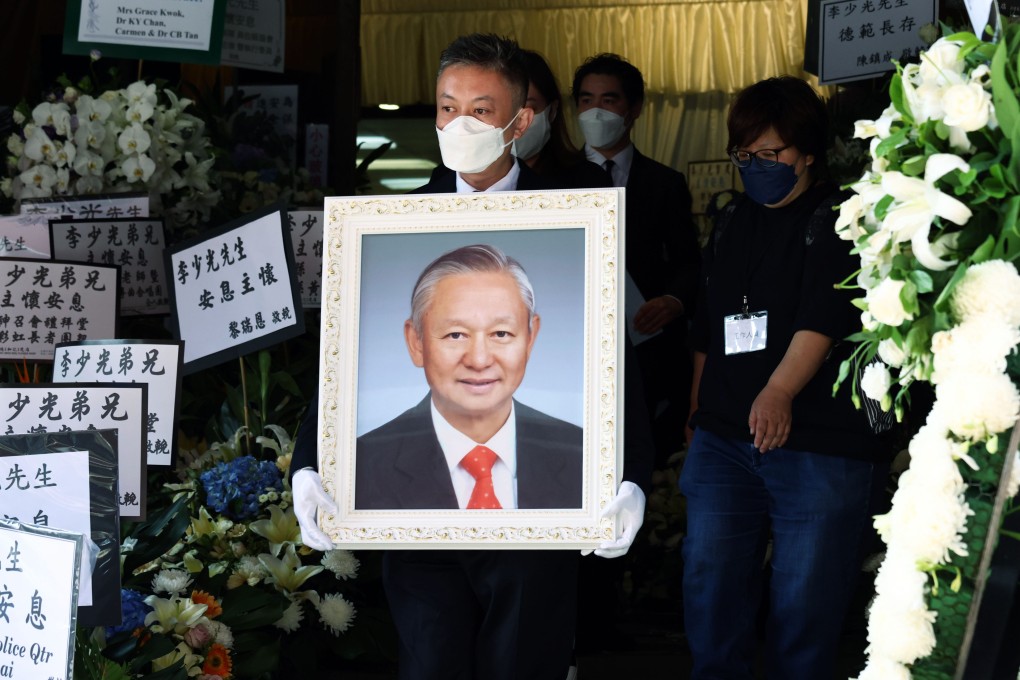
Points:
x=474 y=259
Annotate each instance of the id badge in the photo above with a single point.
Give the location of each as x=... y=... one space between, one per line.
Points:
x=745 y=332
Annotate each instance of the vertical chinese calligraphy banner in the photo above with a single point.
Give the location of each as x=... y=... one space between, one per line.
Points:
x=42 y=644
x=22 y=459
x=234 y=290
x=306 y=239
x=20 y=236
x=34 y=408
x=136 y=246
x=859 y=39
x=156 y=363
x=43 y=303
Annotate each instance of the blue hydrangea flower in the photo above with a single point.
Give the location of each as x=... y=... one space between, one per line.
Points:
x=133 y=610
x=233 y=488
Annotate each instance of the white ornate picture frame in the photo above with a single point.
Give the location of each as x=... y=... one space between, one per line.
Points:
x=571 y=245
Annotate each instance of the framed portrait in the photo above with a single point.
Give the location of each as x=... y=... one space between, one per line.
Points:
x=460 y=326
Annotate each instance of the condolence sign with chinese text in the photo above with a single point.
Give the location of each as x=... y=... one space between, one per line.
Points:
x=98 y=207
x=156 y=363
x=100 y=509
x=860 y=38
x=20 y=236
x=234 y=292
x=43 y=303
x=136 y=246
x=41 y=407
x=306 y=238
x=40 y=568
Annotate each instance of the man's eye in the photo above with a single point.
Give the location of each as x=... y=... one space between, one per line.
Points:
x=503 y=334
x=456 y=335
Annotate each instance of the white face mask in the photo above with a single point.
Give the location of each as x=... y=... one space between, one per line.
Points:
x=535 y=137
x=468 y=145
x=601 y=128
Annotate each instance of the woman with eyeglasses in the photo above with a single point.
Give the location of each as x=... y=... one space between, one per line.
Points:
x=773 y=456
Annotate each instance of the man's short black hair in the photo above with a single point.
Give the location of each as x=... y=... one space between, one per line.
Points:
x=608 y=64
x=491 y=52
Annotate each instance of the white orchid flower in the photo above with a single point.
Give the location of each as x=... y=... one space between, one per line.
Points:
x=140 y=92
x=39 y=147
x=916 y=203
x=62 y=184
x=139 y=167
x=40 y=178
x=139 y=112
x=46 y=113
x=92 y=110
x=134 y=139
x=64 y=154
x=89 y=184
x=87 y=162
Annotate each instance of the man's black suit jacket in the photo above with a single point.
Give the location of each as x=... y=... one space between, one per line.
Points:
x=401 y=466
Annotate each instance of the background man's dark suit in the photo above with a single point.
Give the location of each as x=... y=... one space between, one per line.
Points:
x=401 y=466
x=663 y=258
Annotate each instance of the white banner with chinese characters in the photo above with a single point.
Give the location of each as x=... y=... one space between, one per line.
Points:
x=859 y=39
x=40 y=569
x=136 y=246
x=306 y=238
x=253 y=34
x=156 y=363
x=42 y=407
x=235 y=291
x=21 y=236
x=43 y=303
x=108 y=206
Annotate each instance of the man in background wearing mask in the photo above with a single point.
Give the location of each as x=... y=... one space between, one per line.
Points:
x=662 y=250
x=494 y=614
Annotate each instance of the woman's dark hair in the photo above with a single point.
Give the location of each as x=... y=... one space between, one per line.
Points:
x=789 y=106
x=559 y=152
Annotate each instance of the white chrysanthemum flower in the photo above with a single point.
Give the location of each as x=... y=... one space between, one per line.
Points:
x=343 y=563
x=290 y=621
x=977 y=406
x=899 y=624
x=171 y=581
x=247 y=570
x=336 y=613
x=927 y=519
x=978 y=345
x=884 y=303
x=891 y=353
x=991 y=288
x=876 y=381
x=221 y=633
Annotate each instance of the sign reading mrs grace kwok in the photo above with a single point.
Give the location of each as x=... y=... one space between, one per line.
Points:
x=234 y=290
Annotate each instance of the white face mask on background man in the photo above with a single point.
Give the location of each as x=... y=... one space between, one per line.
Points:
x=468 y=145
x=535 y=137
x=601 y=128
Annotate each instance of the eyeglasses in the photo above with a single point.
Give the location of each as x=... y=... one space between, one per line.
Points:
x=766 y=158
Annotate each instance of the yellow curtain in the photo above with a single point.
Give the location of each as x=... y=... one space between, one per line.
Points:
x=694 y=54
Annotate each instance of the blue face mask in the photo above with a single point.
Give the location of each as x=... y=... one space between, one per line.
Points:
x=767 y=186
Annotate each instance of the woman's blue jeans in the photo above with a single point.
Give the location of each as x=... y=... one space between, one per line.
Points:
x=817 y=508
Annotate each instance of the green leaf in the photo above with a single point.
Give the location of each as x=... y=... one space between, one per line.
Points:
x=245 y=608
x=908 y=296
x=983 y=252
x=922 y=280
x=899 y=101
x=883 y=206
x=1007 y=108
x=942 y=303
x=890 y=142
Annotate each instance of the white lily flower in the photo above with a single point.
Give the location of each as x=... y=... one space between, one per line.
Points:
x=173 y=615
x=287 y=573
x=280 y=529
x=918 y=202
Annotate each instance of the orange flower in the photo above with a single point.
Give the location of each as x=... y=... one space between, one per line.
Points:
x=217 y=661
x=212 y=607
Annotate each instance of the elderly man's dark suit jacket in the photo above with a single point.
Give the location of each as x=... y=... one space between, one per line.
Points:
x=401 y=466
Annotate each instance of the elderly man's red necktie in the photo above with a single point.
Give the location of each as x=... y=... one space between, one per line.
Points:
x=479 y=462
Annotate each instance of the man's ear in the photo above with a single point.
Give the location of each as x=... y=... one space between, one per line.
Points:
x=635 y=111
x=414 y=344
x=536 y=322
x=523 y=121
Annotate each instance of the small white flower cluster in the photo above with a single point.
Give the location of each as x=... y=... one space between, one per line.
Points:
x=975 y=402
x=122 y=140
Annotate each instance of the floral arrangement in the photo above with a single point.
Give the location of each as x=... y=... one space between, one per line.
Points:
x=219 y=580
x=139 y=138
x=934 y=219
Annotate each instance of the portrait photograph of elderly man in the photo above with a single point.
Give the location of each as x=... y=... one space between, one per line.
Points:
x=470 y=441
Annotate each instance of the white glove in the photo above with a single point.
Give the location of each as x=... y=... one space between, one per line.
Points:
x=309 y=497
x=629 y=510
